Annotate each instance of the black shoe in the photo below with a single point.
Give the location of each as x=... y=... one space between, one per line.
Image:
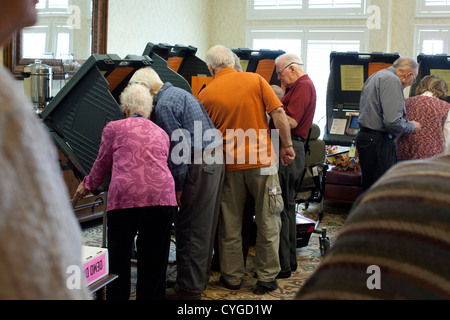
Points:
x=229 y=286
x=264 y=287
x=283 y=275
x=178 y=294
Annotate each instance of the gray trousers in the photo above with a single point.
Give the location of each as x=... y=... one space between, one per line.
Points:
x=290 y=180
x=196 y=225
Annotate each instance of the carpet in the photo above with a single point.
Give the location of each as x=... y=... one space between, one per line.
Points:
x=309 y=258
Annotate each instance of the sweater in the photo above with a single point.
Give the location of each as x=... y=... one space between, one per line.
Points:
x=40 y=237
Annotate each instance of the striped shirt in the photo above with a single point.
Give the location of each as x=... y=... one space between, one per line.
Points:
x=402 y=227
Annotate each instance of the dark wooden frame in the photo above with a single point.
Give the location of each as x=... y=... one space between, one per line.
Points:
x=12 y=53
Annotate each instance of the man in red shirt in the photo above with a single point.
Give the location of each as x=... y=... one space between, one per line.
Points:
x=299 y=104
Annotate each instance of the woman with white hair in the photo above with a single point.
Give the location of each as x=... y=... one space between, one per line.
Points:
x=141 y=196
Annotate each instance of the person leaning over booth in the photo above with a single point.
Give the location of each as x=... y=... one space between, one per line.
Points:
x=40 y=237
x=198 y=181
x=383 y=118
x=141 y=196
x=237 y=103
x=299 y=103
x=429 y=108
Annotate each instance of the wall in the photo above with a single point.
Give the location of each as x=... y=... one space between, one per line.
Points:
x=204 y=23
x=396 y=32
x=134 y=23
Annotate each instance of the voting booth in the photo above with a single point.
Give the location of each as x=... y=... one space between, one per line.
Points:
x=182 y=60
x=77 y=115
x=438 y=65
x=261 y=62
x=348 y=73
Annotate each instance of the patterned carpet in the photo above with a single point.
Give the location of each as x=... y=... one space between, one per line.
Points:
x=309 y=258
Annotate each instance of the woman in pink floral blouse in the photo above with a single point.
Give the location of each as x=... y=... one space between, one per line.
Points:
x=430 y=109
x=141 y=196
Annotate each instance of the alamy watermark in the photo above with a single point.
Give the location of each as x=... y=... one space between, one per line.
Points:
x=241 y=147
x=374 y=21
x=374 y=281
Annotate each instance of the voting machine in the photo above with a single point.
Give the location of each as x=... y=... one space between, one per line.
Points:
x=77 y=115
x=432 y=65
x=348 y=73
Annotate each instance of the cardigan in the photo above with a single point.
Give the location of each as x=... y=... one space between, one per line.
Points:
x=432 y=113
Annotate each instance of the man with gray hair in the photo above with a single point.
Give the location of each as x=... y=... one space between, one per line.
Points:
x=299 y=103
x=238 y=102
x=383 y=118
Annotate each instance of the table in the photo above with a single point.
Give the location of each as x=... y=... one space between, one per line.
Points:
x=99 y=286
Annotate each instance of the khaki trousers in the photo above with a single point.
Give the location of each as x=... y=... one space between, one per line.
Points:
x=266 y=191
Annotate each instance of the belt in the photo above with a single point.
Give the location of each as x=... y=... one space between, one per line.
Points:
x=297 y=138
x=376 y=132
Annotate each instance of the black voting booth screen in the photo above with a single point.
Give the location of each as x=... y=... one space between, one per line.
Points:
x=348 y=73
x=182 y=59
x=432 y=65
x=261 y=62
x=79 y=112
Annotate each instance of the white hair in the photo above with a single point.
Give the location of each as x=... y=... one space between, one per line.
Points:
x=288 y=58
x=406 y=64
x=137 y=99
x=220 y=57
x=147 y=77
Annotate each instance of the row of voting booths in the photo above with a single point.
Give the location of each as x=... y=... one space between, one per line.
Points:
x=76 y=116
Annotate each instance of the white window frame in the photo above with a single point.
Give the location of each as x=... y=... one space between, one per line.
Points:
x=431 y=32
x=309 y=33
x=306 y=13
x=51 y=40
x=304 y=33
x=424 y=11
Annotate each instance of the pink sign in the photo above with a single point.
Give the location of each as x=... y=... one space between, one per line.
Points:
x=95 y=268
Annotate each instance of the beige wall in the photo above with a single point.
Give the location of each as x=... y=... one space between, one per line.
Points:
x=204 y=23
x=134 y=23
x=395 y=35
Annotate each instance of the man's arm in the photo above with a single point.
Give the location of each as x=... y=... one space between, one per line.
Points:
x=287 y=153
x=292 y=122
x=393 y=105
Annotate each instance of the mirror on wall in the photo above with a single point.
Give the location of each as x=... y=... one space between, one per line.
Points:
x=66 y=34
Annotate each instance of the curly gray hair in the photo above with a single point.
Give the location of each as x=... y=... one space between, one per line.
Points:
x=137 y=99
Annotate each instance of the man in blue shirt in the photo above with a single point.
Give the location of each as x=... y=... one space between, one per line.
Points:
x=196 y=163
x=383 y=118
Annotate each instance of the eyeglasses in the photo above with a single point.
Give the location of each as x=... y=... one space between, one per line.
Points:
x=290 y=64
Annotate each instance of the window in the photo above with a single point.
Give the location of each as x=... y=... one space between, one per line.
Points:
x=53 y=37
x=45 y=41
x=432 y=40
x=35 y=41
x=433 y=8
x=313 y=45
x=306 y=9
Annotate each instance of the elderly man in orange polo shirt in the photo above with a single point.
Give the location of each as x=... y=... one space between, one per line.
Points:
x=237 y=103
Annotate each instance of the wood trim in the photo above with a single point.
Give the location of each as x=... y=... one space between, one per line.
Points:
x=12 y=57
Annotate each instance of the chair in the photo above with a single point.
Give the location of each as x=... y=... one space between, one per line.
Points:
x=312 y=186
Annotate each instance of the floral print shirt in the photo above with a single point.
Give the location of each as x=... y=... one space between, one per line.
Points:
x=135 y=152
